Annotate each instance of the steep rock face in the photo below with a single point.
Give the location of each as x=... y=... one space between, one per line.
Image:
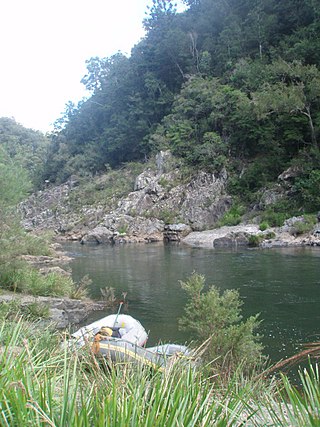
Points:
x=160 y=197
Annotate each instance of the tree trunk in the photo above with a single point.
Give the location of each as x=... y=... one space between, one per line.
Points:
x=312 y=129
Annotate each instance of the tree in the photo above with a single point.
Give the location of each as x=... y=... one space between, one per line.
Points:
x=160 y=11
x=24 y=147
x=14 y=182
x=209 y=123
x=293 y=89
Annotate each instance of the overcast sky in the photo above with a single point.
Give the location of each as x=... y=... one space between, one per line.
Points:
x=44 y=46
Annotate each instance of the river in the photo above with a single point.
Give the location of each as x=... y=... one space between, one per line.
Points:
x=283 y=285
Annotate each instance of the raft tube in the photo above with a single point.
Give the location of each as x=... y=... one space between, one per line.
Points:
x=130 y=329
x=120 y=351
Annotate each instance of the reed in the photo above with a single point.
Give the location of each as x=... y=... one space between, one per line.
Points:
x=44 y=383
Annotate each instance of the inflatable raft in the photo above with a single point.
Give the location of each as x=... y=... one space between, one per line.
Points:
x=121 y=338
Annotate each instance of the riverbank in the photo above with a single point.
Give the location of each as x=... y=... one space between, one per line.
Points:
x=243 y=235
x=60 y=313
x=43 y=289
x=164 y=203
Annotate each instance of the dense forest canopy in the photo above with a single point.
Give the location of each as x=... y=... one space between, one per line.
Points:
x=232 y=85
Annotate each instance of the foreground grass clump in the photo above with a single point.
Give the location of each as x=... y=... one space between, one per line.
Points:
x=45 y=384
x=62 y=389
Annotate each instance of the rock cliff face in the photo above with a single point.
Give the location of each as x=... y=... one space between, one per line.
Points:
x=161 y=206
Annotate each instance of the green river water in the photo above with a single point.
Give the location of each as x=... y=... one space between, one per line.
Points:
x=283 y=285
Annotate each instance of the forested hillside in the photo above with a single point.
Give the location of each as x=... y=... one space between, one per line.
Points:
x=231 y=85
x=226 y=85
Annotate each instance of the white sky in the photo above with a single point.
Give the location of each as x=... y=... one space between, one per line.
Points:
x=44 y=46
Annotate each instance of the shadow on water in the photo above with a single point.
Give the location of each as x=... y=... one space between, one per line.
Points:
x=283 y=285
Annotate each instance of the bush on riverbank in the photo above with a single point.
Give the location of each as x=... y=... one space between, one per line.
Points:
x=42 y=383
x=216 y=318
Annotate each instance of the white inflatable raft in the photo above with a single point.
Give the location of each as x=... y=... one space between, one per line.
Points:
x=121 y=338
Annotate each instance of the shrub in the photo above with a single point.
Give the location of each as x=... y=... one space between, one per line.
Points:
x=81 y=289
x=30 y=244
x=273 y=218
x=108 y=295
x=233 y=216
x=167 y=216
x=263 y=226
x=308 y=190
x=305 y=226
x=36 y=311
x=270 y=235
x=255 y=240
x=217 y=318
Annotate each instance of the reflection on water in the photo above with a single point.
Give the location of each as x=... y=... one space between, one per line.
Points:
x=283 y=285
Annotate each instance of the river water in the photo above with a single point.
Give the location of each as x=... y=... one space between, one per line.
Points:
x=283 y=285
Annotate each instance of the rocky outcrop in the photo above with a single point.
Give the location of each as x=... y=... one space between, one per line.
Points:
x=222 y=237
x=241 y=235
x=63 y=312
x=175 y=232
x=161 y=206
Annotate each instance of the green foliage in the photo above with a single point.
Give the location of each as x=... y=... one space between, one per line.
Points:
x=39 y=386
x=30 y=244
x=308 y=188
x=217 y=318
x=274 y=218
x=108 y=295
x=263 y=226
x=304 y=226
x=206 y=116
x=106 y=189
x=122 y=229
x=25 y=148
x=44 y=383
x=304 y=405
x=14 y=181
x=253 y=119
x=9 y=310
x=36 y=311
x=80 y=290
x=168 y=216
x=28 y=280
x=260 y=110
x=270 y=235
x=255 y=239
x=233 y=216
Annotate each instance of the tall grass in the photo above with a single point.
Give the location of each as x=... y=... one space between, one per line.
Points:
x=28 y=280
x=45 y=384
